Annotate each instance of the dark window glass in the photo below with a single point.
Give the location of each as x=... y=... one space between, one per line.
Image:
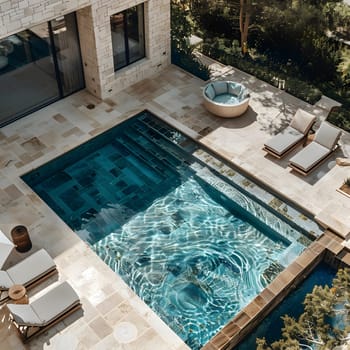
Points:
x=67 y=53
x=128 y=41
x=38 y=66
x=27 y=72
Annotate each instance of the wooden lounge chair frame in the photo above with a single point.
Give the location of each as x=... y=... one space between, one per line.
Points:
x=297 y=143
x=42 y=278
x=288 y=150
x=319 y=163
x=4 y=297
x=49 y=309
x=27 y=333
x=332 y=149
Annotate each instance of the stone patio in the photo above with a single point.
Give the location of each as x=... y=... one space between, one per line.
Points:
x=113 y=316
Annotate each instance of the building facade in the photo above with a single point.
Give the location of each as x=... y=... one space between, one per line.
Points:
x=52 y=48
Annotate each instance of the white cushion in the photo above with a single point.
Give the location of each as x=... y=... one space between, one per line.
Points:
x=210 y=92
x=234 y=89
x=5 y=280
x=302 y=121
x=284 y=140
x=24 y=314
x=55 y=302
x=220 y=87
x=309 y=156
x=31 y=268
x=327 y=135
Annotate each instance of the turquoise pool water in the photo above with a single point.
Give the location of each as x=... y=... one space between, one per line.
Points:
x=165 y=215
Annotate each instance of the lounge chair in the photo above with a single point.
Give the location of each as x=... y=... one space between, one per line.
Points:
x=324 y=144
x=34 y=318
x=28 y=272
x=296 y=132
x=6 y=247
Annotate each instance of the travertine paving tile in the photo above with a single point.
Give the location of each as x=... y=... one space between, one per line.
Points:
x=108 y=304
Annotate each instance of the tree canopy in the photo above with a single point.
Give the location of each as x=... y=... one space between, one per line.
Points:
x=325 y=322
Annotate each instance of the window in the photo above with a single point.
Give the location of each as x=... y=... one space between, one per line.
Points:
x=128 y=40
x=38 y=66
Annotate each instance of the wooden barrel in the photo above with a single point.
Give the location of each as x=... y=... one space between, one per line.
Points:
x=21 y=239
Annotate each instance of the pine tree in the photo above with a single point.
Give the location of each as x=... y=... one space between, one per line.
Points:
x=325 y=322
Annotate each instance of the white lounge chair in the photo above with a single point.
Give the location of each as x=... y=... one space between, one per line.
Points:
x=324 y=144
x=34 y=318
x=296 y=132
x=28 y=272
x=6 y=247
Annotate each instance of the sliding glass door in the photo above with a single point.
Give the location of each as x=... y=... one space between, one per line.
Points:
x=39 y=66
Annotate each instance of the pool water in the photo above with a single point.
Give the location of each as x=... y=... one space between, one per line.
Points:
x=292 y=305
x=184 y=237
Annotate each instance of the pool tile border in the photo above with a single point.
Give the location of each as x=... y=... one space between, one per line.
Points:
x=326 y=248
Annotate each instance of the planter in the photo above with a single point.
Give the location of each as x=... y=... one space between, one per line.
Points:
x=344 y=189
x=21 y=239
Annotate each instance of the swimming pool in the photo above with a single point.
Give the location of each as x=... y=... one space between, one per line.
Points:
x=177 y=223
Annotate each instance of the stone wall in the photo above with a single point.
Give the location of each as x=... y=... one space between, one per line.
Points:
x=17 y=15
x=95 y=36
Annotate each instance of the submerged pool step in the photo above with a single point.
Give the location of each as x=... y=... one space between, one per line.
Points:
x=158 y=157
x=184 y=145
x=139 y=163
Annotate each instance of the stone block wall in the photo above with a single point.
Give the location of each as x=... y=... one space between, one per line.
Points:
x=95 y=36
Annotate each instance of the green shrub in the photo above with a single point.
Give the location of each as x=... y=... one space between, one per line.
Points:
x=340 y=117
x=263 y=71
x=188 y=62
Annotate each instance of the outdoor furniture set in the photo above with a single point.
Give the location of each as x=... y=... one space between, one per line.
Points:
x=32 y=319
x=324 y=143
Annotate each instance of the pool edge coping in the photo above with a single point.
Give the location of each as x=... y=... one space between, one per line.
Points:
x=326 y=248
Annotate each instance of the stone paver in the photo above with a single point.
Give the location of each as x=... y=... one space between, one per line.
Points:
x=108 y=304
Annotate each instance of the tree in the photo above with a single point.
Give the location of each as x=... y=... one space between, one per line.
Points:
x=245 y=14
x=181 y=29
x=324 y=323
x=344 y=67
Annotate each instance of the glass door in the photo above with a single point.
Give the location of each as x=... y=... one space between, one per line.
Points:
x=67 y=54
x=27 y=77
x=39 y=66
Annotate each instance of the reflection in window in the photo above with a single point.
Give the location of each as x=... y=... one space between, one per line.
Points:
x=66 y=43
x=38 y=66
x=128 y=41
x=27 y=72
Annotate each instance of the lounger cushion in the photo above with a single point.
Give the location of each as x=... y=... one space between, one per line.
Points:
x=210 y=92
x=24 y=315
x=302 y=121
x=55 y=303
x=220 y=87
x=309 y=156
x=47 y=308
x=31 y=268
x=327 y=135
x=5 y=281
x=286 y=139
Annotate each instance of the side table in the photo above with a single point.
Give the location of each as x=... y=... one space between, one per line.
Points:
x=18 y=294
x=21 y=239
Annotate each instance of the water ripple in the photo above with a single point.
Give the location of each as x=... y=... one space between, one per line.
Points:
x=192 y=261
